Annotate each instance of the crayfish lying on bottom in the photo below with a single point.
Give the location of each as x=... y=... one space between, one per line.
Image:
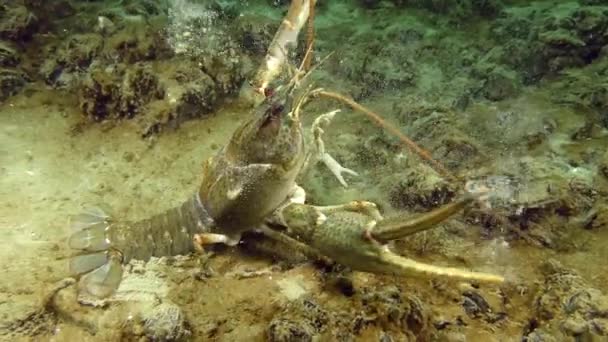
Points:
x=250 y=184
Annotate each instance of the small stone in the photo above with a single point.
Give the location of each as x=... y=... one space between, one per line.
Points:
x=603 y=167
x=17 y=23
x=575 y=326
x=166 y=322
x=8 y=55
x=11 y=82
x=128 y=156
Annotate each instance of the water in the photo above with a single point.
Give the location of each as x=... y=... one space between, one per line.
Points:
x=119 y=103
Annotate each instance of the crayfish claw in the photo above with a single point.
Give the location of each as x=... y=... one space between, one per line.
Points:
x=400 y=226
x=407 y=267
x=350 y=237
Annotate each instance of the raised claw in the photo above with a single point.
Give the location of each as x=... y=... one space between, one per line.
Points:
x=349 y=238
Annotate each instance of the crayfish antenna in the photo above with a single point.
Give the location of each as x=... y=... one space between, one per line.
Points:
x=100 y=272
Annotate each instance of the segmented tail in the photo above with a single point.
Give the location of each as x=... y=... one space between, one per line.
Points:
x=99 y=267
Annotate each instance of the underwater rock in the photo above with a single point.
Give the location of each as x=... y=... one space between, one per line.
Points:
x=70 y=59
x=203 y=33
x=500 y=84
x=17 y=23
x=11 y=82
x=137 y=42
x=440 y=131
x=542 y=205
x=378 y=66
x=603 y=166
x=189 y=93
x=9 y=57
x=61 y=8
x=478 y=305
x=255 y=32
x=181 y=91
x=567 y=307
x=457 y=9
x=419 y=189
x=585 y=87
x=118 y=91
x=374 y=151
x=541 y=39
x=393 y=310
x=166 y=322
x=596 y=217
x=133 y=11
x=300 y=320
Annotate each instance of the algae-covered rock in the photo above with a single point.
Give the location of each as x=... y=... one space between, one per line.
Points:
x=137 y=42
x=17 y=23
x=603 y=168
x=9 y=57
x=11 y=82
x=542 y=38
x=501 y=84
x=119 y=91
x=458 y=9
x=301 y=320
x=586 y=87
x=567 y=307
x=420 y=189
x=394 y=310
x=69 y=60
x=166 y=322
